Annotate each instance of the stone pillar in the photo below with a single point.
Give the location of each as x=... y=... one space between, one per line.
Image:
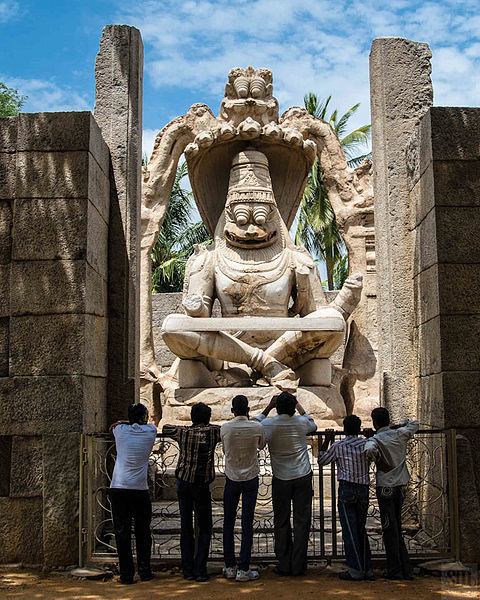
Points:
x=54 y=214
x=401 y=92
x=444 y=181
x=118 y=111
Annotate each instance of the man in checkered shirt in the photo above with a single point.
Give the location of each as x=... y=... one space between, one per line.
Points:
x=353 y=486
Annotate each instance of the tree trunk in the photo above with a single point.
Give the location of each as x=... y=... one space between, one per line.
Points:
x=330 y=266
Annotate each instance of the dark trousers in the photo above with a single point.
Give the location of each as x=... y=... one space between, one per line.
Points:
x=352 y=510
x=194 y=499
x=390 y=502
x=128 y=505
x=248 y=490
x=292 y=555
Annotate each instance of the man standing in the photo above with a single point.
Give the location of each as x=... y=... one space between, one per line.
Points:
x=388 y=447
x=292 y=480
x=129 y=495
x=195 y=471
x=241 y=440
x=353 y=486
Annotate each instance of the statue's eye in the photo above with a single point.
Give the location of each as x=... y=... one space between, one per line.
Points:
x=241 y=213
x=261 y=213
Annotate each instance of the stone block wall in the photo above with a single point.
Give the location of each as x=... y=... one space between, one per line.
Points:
x=54 y=219
x=443 y=160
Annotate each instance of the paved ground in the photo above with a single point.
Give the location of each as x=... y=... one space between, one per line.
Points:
x=322 y=584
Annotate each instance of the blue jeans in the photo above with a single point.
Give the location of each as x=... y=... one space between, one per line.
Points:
x=248 y=490
x=194 y=498
x=352 y=510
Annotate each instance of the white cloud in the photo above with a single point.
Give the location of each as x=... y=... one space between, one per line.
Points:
x=9 y=9
x=320 y=46
x=148 y=139
x=46 y=95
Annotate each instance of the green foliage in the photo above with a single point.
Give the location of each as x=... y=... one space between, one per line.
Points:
x=317 y=227
x=10 y=101
x=176 y=239
x=340 y=272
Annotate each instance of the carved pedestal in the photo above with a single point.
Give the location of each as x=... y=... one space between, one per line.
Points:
x=323 y=403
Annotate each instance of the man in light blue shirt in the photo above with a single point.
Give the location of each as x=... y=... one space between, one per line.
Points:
x=292 y=480
x=129 y=495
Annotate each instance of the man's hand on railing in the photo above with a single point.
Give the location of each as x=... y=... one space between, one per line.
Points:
x=329 y=437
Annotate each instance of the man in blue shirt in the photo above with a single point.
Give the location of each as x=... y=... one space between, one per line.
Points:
x=292 y=480
x=129 y=495
x=353 y=486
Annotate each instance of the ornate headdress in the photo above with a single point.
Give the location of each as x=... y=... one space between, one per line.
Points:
x=250 y=179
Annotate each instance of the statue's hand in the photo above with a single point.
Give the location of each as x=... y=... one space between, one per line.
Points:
x=193 y=304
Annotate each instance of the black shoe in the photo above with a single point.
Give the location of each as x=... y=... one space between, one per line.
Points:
x=148 y=577
x=388 y=575
x=280 y=572
x=201 y=578
x=345 y=576
x=369 y=577
x=126 y=581
x=188 y=577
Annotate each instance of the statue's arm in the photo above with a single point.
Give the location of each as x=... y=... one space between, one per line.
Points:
x=199 y=283
x=309 y=292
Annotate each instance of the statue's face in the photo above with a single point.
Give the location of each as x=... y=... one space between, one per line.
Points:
x=250 y=225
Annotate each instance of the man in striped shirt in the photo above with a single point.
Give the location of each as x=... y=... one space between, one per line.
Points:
x=353 y=485
x=195 y=471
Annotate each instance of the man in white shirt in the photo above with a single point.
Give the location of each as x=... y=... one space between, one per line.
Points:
x=241 y=440
x=388 y=448
x=292 y=480
x=129 y=495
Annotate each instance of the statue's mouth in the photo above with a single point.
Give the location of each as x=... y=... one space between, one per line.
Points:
x=251 y=242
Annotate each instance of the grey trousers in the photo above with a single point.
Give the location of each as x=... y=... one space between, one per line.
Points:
x=292 y=553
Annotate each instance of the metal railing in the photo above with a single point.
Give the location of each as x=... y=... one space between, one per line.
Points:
x=429 y=513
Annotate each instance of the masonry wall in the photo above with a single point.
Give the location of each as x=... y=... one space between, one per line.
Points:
x=443 y=161
x=54 y=215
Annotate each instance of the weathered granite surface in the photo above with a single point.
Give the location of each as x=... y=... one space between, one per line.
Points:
x=401 y=92
x=118 y=111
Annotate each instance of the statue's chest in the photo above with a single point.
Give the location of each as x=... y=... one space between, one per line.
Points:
x=254 y=295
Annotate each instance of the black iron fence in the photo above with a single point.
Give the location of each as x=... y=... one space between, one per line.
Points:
x=430 y=523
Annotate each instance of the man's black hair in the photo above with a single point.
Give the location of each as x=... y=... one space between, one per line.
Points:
x=286 y=403
x=240 y=406
x=380 y=417
x=136 y=413
x=352 y=425
x=200 y=414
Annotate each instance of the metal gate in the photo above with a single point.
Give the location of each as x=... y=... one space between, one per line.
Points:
x=430 y=510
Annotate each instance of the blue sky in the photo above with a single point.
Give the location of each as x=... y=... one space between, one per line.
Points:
x=48 y=49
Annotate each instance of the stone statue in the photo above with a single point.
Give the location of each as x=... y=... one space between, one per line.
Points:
x=248 y=168
x=255 y=270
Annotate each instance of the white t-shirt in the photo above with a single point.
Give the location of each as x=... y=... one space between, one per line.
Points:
x=241 y=440
x=134 y=444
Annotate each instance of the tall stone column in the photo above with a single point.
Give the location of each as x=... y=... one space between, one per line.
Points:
x=118 y=111
x=401 y=92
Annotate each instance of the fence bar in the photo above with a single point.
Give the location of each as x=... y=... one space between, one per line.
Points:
x=333 y=490
x=453 y=493
x=81 y=501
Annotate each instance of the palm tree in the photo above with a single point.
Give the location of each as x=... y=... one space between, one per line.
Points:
x=176 y=239
x=317 y=227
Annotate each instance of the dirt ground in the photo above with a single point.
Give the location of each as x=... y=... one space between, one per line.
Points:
x=318 y=583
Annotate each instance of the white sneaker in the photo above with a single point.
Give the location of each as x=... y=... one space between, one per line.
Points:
x=246 y=575
x=229 y=572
